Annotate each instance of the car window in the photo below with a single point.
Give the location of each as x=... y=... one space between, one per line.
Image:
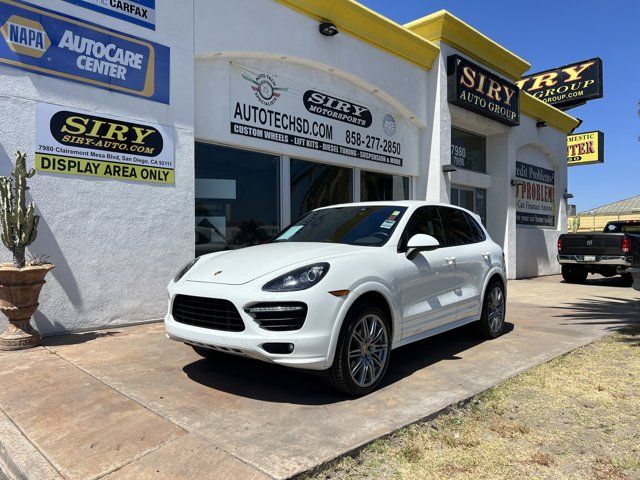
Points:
x=369 y=226
x=424 y=220
x=476 y=230
x=456 y=227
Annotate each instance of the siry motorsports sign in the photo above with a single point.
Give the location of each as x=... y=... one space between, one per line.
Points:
x=535 y=196
x=140 y=12
x=75 y=142
x=48 y=43
x=474 y=88
x=568 y=86
x=585 y=148
x=276 y=109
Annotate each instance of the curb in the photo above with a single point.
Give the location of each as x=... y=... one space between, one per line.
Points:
x=19 y=459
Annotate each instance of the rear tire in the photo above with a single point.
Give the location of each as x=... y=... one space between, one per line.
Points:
x=209 y=353
x=627 y=279
x=363 y=351
x=494 y=310
x=574 y=274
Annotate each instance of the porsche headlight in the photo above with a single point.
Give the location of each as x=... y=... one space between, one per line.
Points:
x=185 y=269
x=299 y=279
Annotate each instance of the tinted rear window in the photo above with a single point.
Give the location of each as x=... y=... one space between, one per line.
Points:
x=456 y=227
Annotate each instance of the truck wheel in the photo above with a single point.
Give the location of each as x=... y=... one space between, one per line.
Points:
x=363 y=351
x=573 y=274
x=627 y=279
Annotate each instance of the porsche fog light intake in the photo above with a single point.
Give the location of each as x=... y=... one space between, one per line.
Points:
x=299 y=279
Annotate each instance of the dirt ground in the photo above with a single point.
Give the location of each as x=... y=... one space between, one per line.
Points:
x=576 y=417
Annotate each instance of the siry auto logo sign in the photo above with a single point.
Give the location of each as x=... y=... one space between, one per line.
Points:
x=26 y=37
x=337 y=108
x=474 y=88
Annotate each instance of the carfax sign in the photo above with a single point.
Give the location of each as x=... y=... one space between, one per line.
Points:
x=535 y=197
x=75 y=142
x=48 y=43
x=585 y=148
x=566 y=86
x=474 y=88
x=140 y=12
x=276 y=109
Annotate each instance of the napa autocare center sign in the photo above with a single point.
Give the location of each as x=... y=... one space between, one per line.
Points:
x=75 y=142
x=140 y=12
x=535 y=197
x=48 y=43
x=277 y=109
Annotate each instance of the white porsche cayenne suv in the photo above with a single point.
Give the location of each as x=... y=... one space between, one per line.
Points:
x=342 y=287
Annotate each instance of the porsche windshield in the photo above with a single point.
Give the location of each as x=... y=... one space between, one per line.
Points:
x=366 y=225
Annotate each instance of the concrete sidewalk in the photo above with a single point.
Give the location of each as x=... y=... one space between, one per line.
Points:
x=128 y=403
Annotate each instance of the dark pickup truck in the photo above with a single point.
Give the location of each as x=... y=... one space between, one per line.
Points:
x=608 y=253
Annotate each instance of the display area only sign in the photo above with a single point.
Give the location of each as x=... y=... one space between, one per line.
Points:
x=140 y=12
x=535 y=196
x=48 y=43
x=276 y=109
x=75 y=142
x=474 y=88
x=585 y=148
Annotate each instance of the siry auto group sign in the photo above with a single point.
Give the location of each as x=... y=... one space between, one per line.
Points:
x=567 y=86
x=474 y=88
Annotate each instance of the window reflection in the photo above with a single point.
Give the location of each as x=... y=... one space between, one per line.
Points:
x=380 y=187
x=237 y=198
x=315 y=185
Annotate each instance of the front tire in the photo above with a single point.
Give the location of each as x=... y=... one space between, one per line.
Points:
x=494 y=310
x=573 y=274
x=363 y=351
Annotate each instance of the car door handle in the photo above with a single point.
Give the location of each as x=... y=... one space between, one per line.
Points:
x=486 y=255
x=450 y=260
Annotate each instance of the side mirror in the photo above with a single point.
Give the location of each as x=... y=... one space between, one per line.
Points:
x=421 y=243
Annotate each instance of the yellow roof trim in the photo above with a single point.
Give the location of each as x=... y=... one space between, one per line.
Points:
x=443 y=26
x=371 y=27
x=537 y=109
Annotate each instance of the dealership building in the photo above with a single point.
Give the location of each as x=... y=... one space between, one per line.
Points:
x=164 y=129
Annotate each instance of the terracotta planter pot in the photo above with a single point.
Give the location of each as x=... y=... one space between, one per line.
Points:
x=19 y=292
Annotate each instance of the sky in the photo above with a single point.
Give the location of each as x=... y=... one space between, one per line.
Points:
x=550 y=34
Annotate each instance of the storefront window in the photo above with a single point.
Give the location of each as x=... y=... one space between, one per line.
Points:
x=316 y=185
x=468 y=151
x=473 y=199
x=380 y=186
x=237 y=198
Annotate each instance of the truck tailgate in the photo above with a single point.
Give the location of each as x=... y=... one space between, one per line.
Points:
x=592 y=244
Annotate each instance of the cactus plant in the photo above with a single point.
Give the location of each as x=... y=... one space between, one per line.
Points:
x=19 y=221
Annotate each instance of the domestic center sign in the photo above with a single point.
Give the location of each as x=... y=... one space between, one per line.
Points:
x=585 y=148
x=276 y=109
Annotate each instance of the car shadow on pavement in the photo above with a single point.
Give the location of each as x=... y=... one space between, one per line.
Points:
x=75 y=338
x=600 y=310
x=267 y=382
x=598 y=281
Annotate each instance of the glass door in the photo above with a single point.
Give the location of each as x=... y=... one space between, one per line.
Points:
x=473 y=199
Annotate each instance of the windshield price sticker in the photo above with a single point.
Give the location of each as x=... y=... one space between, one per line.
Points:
x=76 y=142
x=276 y=109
